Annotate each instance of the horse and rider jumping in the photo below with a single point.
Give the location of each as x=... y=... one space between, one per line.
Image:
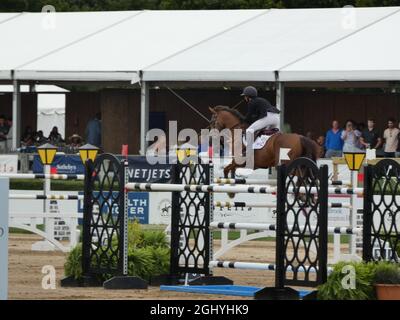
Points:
x=262 y=116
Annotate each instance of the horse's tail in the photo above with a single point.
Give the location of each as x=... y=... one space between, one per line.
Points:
x=310 y=148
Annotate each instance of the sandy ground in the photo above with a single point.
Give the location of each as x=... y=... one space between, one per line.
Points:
x=25 y=274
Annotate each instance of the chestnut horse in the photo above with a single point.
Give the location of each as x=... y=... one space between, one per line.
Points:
x=267 y=157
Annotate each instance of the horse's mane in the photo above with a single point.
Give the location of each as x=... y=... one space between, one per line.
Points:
x=234 y=112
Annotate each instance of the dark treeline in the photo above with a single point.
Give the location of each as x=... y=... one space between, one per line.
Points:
x=108 y=5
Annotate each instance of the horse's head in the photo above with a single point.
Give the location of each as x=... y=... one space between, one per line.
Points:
x=225 y=118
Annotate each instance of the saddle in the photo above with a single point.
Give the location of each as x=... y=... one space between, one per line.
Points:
x=265 y=132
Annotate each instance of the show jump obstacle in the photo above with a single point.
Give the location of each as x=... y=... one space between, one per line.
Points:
x=302 y=192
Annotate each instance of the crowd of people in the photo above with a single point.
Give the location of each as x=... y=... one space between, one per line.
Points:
x=30 y=139
x=355 y=137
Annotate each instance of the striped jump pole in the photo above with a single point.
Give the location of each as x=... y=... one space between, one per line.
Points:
x=45 y=197
x=43 y=176
x=161 y=187
x=227 y=204
x=339 y=183
x=244 y=181
x=269 y=181
x=257 y=266
x=272 y=227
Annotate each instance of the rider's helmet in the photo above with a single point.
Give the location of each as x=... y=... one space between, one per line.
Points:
x=250 y=92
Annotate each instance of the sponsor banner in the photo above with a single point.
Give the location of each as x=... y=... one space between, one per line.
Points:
x=9 y=163
x=138 y=205
x=141 y=171
x=62 y=164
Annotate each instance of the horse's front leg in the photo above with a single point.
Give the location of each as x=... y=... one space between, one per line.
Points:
x=229 y=168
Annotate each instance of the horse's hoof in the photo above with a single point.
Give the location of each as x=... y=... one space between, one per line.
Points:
x=231 y=195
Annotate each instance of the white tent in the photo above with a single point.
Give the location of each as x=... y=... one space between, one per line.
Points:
x=106 y=46
x=371 y=53
x=223 y=45
x=256 y=50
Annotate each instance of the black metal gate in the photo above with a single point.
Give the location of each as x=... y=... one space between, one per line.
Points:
x=190 y=221
x=104 y=218
x=381 y=220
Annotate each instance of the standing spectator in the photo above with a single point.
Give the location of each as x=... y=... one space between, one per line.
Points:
x=93 y=131
x=350 y=137
x=321 y=143
x=54 y=137
x=391 y=136
x=333 y=141
x=370 y=137
x=9 y=134
x=3 y=134
x=398 y=144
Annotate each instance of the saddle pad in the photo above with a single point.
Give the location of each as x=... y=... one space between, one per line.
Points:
x=260 y=142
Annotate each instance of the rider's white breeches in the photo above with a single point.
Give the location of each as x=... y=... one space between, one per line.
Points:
x=269 y=122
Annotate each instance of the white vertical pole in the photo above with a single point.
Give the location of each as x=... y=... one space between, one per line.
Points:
x=4 y=186
x=353 y=212
x=280 y=103
x=144 y=116
x=45 y=245
x=16 y=115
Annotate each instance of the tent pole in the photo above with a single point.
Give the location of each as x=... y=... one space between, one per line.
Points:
x=144 y=116
x=280 y=103
x=16 y=115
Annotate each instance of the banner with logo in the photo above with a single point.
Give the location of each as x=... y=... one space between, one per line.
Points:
x=62 y=164
x=138 y=206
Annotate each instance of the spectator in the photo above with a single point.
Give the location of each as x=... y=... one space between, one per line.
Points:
x=3 y=134
x=398 y=145
x=54 y=137
x=93 y=131
x=351 y=138
x=28 y=137
x=321 y=143
x=310 y=135
x=370 y=137
x=9 y=134
x=391 y=137
x=40 y=139
x=333 y=141
x=76 y=141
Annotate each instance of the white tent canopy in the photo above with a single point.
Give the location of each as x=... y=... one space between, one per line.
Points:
x=222 y=45
x=370 y=54
x=255 y=50
x=106 y=46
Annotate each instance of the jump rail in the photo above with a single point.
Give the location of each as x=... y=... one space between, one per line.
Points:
x=160 y=187
x=43 y=176
x=45 y=197
x=227 y=204
x=272 y=227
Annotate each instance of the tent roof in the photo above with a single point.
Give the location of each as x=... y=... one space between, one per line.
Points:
x=220 y=45
x=108 y=46
x=372 y=53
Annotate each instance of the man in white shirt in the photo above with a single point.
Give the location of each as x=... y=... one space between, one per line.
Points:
x=391 y=137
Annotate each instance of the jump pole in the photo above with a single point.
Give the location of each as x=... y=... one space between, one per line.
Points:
x=4 y=187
